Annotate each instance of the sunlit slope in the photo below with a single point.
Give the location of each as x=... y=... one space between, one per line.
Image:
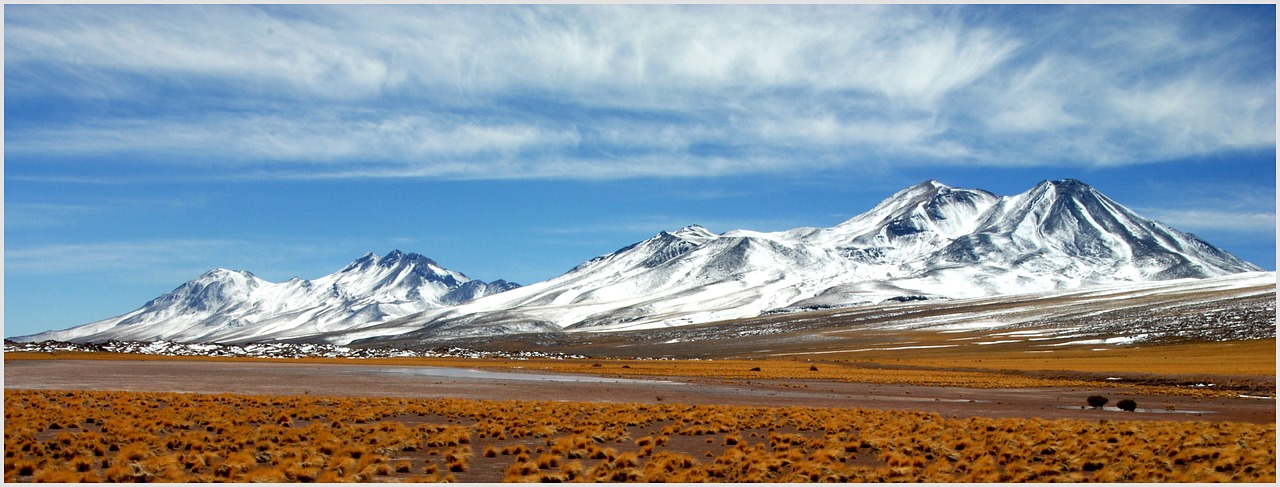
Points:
x=927 y=242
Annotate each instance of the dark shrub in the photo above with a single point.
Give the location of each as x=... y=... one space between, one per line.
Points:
x=1096 y=402
x=1127 y=405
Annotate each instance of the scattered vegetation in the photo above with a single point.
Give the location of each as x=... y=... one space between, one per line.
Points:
x=1127 y=405
x=993 y=366
x=61 y=436
x=1096 y=401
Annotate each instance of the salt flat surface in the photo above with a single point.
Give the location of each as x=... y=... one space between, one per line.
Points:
x=460 y=373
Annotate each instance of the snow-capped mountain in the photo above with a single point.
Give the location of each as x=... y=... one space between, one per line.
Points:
x=227 y=306
x=929 y=241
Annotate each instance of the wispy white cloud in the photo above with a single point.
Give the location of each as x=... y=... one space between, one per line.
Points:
x=1135 y=84
x=126 y=256
x=44 y=215
x=631 y=91
x=308 y=138
x=1218 y=208
x=1209 y=220
x=1196 y=116
x=174 y=260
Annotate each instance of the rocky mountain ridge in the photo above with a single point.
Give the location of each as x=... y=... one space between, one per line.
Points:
x=926 y=242
x=231 y=306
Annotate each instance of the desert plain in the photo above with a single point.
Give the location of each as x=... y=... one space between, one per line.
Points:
x=917 y=392
x=954 y=414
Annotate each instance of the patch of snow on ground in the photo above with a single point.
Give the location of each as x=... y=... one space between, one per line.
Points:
x=1103 y=341
x=970 y=326
x=1028 y=333
x=269 y=350
x=875 y=349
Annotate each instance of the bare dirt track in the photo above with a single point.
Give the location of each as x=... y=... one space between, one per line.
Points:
x=437 y=382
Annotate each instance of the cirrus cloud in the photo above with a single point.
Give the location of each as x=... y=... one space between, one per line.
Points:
x=628 y=91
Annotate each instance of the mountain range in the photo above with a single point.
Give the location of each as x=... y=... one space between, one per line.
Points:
x=928 y=241
x=228 y=306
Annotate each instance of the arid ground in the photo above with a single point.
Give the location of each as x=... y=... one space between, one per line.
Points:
x=374 y=380
x=1205 y=411
x=865 y=409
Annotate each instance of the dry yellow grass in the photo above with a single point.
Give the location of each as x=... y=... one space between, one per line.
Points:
x=124 y=436
x=994 y=366
x=1247 y=357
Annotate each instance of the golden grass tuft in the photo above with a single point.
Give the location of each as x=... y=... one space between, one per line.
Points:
x=240 y=438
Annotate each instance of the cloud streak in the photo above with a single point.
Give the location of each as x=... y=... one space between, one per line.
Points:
x=45 y=215
x=130 y=256
x=1237 y=209
x=1202 y=220
x=172 y=260
x=574 y=92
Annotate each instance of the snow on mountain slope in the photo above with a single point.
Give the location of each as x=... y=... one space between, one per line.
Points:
x=229 y=306
x=928 y=241
x=691 y=275
x=1058 y=235
x=915 y=220
x=1071 y=229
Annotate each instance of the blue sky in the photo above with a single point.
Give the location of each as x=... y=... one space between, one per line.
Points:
x=146 y=144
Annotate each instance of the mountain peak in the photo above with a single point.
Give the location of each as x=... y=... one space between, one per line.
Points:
x=906 y=196
x=925 y=211
x=696 y=233
x=1064 y=187
x=221 y=273
x=224 y=305
x=1069 y=183
x=363 y=262
x=932 y=184
x=926 y=240
x=392 y=259
x=396 y=256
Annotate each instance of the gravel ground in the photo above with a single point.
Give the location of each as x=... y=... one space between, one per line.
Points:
x=437 y=382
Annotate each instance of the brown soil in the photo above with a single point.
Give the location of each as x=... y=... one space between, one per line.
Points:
x=401 y=381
